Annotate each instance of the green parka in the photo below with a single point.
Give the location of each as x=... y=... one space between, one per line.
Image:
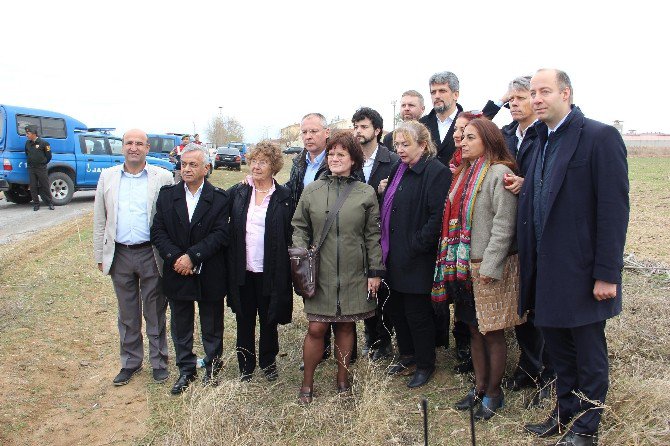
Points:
x=351 y=252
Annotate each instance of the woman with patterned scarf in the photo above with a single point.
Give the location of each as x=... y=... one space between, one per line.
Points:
x=477 y=266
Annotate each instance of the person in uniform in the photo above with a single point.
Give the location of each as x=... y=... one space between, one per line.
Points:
x=38 y=154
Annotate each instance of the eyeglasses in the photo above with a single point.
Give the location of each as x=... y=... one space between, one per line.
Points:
x=259 y=163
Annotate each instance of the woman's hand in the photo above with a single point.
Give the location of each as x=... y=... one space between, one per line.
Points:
x=486 y=279
x=373 y=286
x=382 y=185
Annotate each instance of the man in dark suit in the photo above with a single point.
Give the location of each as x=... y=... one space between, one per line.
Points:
x=191 y=231
x=411 y=109
x=368 y=125
x=573 y=217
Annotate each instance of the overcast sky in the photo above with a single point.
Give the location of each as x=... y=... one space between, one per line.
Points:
x=168 y=66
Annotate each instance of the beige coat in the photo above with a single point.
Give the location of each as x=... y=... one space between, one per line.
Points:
x=104 y=211
x=493 y=223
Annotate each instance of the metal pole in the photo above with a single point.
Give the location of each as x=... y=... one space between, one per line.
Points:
x=394 y=102
x=424 y=408
x=472 y=422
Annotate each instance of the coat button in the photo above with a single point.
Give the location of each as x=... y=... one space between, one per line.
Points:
x=197 y=254
x=169 y=255
x=392 y=230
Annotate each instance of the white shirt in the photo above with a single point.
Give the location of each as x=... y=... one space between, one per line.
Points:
x=367 y=165
x=192 y=200
x=444 y=126
x=521 y=135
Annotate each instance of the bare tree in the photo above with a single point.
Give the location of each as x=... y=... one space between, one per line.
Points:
x=224 y=129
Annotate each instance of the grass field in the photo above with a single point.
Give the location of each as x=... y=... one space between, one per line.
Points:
x=59 y=352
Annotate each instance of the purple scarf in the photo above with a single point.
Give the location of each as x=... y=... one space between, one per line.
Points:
x=386 y=209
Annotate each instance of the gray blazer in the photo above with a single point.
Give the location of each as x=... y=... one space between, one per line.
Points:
x=104 y=211
x=493 y=223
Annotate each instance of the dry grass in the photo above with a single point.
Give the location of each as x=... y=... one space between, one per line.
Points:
x=56 y=311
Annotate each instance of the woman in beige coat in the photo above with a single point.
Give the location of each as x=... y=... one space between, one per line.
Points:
x=476 y=265
x=350 y=268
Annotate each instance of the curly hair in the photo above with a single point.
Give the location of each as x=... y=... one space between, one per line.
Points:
x=269 y=150
x=345 y=139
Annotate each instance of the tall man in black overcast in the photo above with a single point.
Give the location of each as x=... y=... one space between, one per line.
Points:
x=572 y=222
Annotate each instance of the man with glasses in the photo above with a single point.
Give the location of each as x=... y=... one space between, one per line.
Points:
x=124 y=208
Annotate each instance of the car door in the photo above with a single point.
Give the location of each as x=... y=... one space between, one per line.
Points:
x=95 y=152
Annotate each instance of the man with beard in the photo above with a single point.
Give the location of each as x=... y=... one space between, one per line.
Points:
x=411 y=108
x=368 y=125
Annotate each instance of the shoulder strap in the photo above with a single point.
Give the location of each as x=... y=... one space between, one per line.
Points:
x=332 y=212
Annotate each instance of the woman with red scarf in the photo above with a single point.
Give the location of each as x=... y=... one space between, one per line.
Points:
x=477 y=266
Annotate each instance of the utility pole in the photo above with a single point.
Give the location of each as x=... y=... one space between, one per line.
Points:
x=394 y=103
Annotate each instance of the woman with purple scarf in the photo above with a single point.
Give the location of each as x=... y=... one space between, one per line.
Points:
x=477 y=265
x=411 y=221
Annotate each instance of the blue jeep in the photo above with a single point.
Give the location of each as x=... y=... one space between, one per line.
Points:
x=78 y=153
x=160 y=145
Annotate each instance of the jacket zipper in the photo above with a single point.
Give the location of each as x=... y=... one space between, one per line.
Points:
x=337 y=244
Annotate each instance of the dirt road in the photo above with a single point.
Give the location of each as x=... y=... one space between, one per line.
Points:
x=18 y=221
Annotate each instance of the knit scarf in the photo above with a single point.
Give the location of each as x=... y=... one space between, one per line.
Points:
x=452 y=268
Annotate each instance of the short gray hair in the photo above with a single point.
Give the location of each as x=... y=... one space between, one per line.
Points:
x=445 y=77
x=520 y=83
x=192 y=147
x=321 y=118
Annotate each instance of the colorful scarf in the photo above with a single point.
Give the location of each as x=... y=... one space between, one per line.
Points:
x=453 y=257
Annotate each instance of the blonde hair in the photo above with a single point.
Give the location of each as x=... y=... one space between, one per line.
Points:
x=271 y=151
x=416 y=133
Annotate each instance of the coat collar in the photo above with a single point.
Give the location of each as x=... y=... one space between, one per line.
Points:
x=204 y=203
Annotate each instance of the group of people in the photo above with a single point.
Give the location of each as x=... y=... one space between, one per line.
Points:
x=519 y=227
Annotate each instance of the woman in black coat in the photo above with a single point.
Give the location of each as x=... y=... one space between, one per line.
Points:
x=259 y=270
x=411 y=222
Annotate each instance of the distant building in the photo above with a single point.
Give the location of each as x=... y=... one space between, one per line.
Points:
x=646 y=140
x=340 y=124
x=290 y=136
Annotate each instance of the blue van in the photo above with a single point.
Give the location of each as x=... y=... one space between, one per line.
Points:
x=78 y=153
x=160 y=145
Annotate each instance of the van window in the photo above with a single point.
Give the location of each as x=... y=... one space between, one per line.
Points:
x=168 y=145
x=46 y=127
x=116 y=145
x=154 y=144
x=92 y=145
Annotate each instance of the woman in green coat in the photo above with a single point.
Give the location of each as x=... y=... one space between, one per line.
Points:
x=350 y=268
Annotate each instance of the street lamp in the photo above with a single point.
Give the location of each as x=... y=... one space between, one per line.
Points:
x=394 y=102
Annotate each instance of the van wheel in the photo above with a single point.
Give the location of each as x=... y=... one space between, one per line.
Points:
x=62 y=188
x=18 y=195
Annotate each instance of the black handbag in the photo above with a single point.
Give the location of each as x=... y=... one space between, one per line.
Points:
x=305 y=261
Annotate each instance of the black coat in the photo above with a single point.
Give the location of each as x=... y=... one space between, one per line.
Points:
x=297 y=176
x=525 y=152
x=204 y=239
x=381 y=169
x=415 y=225
x=585 y=228
x=276 y=267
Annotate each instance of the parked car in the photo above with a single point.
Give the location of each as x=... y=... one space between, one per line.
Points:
x=228 y=157
x=78 y=153
x=292 y=150
x=242 y=148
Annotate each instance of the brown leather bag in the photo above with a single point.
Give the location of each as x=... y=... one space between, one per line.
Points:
x=305 y=261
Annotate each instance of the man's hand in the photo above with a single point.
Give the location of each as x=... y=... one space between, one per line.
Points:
x=382 y=185
x=604 y=290
x=100 y=266
x=183 y=265
x=485 y=280
x=513 y=183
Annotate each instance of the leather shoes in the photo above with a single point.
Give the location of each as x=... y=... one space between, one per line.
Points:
x=160 y=375
x=547 y=428
x=51 y=206
x=404 y=366
x=469 y=400
x=36 y=207
x=464 y=367
x=383 y=352
x=542 y=394
x=271 y=373
x=519 y=381
x=125 y=375
x=575 y=439
x=185 y=379
x=487 y=409
x=421 y=377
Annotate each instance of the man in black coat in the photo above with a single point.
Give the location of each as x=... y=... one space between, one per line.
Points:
x=534 y=367
x=572 y=222
x=38 y=155
x=368 y=125
x=191 y=231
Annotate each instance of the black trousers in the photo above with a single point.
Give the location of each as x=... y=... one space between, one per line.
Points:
x=378 y=328
x=461 y=332
x=39 y=184
x=579 y=356
x=253 y=302
x=182 y=313
x=534 y=357
x=414 y=327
